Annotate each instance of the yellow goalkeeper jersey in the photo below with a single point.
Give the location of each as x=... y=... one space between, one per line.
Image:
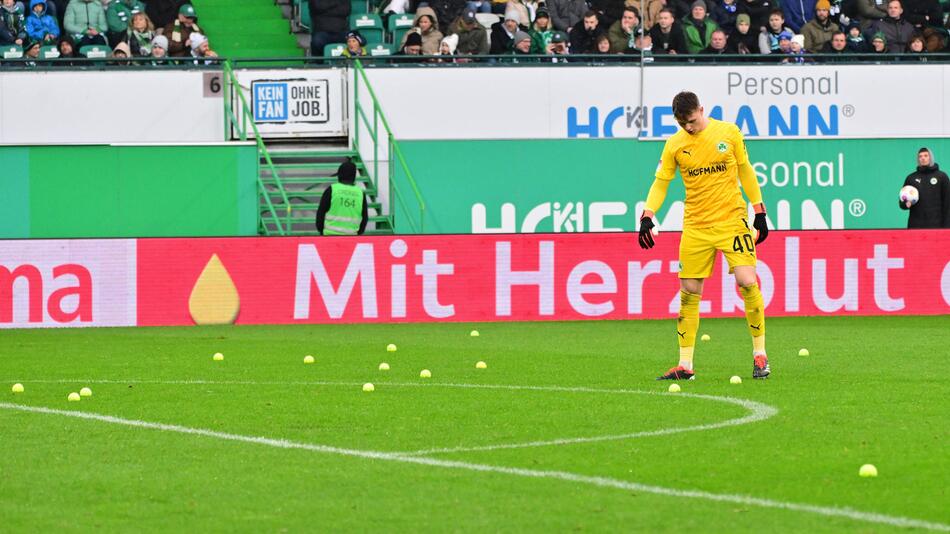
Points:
x=709 y=164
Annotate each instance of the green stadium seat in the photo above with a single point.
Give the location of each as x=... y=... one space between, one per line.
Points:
x=94 y=51
x=359 y=7
x=381 y=49
x=334 y=50
x=399 y=25
x=12 y=52
x=49 y=52
x=304 y=14
x=371 y=26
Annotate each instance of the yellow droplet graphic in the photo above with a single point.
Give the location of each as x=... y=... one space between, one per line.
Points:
x=214 y=299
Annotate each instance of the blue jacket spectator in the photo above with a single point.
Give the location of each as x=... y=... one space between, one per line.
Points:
x=41 y=26
x=797 y=13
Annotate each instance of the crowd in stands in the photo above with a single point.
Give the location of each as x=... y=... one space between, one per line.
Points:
x=790 y=31
x=129 y=31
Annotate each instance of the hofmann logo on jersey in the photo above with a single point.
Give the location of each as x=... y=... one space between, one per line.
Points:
x=290 y=101
x=709 y=169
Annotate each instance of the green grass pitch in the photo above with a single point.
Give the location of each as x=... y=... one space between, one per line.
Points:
x=263 y=442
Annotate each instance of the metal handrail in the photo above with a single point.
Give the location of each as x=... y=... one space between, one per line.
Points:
x=395 y=150
x=230 y=80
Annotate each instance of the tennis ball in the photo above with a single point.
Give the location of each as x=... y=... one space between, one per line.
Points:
x=675 y=388
x=73 y=397
x=474 y=333
x=735 y=380
x=384 y=366
x=17 y=388
x=867 y=470
x=705 y=337
x=481 y=365
x=425 y=373
x=803 y=352
x=308 y=359
x=217 y=357
x=369 y=388
x=390 y=348
x=85 y=392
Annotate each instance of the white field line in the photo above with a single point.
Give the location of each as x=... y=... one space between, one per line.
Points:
x=757 y=410
x=857 y=515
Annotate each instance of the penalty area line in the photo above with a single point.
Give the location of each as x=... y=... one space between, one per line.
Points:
x=857 y=515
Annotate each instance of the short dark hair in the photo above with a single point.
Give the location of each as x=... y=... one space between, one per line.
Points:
x=666 y=10
x=923 y=149
x=898 y=1
x=777 y=11
x=684 y=104
x=837 y=33
x=590 y=13
x=633 y=10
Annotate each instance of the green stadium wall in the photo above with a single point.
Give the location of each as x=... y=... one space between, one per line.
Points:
x=128 y=191
x=807 y=183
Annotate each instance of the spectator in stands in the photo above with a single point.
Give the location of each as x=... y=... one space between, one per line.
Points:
x=201 y=50
x=917 y=48
x=784 y=43
x=179 y=32
x=897 y=31
x=446 y=12
x=13 y=27
x=473 y=39
x=667 y=35
x=163 y=12
x=40 y=26
x=31 y=51
x=121 y=53
x=343 y=206
x=502 y=32
x=923 y=14
x=140 y=35
x=541 y=32
x=85 y=20
x=623 y=33
x=565 y=14
x=602 y=47
x=521 y=44
x=878 y=43
x=651 y=10
x=835 y=48
x=329 y=23
x=717 y=44
x=523 y=12
x=758 y=11
x=932 y=209
x=743 y=41
x=412 y=45
x=159 y=48
x=797 y=13
x=355 y=44
x=769 y=39
x=119 y=16
x=724 y=12
x=584 y=35
x=448 y=47
x=796 y=50
x=67 y=50
x=698 y=28
x=819 y=30
x=856 y=42
x=870 y=11
x=426 y=24
x=560 y=47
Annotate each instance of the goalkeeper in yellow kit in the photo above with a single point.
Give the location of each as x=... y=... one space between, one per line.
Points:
x=712 y=160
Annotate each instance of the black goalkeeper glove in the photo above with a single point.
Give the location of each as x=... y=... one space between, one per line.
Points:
x=762 y=226
x=646 y=233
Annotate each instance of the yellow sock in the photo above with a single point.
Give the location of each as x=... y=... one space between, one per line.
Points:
x=686 y=327
x=755 y=316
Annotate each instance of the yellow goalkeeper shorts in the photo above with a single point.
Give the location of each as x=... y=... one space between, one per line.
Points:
x=698 y=247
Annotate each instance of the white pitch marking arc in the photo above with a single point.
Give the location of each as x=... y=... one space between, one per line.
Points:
x=857 y=515
x=757 y=410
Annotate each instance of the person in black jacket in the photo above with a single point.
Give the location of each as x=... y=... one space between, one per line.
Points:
x=329 y=22
x=502 y=33
x=346 y=174
x=743 y=40
x=923 y=13
x=667 y=34
x=446 y=11
x=584 y=34
x=932 y=209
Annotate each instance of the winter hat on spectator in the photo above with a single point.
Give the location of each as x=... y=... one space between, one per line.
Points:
x=160 y=41
x=879 y=35
x=800 y=39
x=358 y=36
x=785 y=35
x=197 y=40
x=698 y=3
x=29 y=43
x=743 y=18
x=511 y=13
x=413 y=39
x=520 y=36
x=559 y=37
x=468 y=16
x=452 y=41
x=187 y=10
x=542 y=12
x=823 y=4
x=122 y=47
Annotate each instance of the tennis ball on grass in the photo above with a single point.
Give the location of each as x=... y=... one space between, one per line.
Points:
x=369 y=388
x=384 y=366
x=705 y=337
x=218 y=357
x=308 y=359
x=391 y=348
x=867 y=470
x=73 y=397
x=735 y=380
x=481 y=365
x=674 y=388
x=474 y=333
x=803 y=352
x=17 y=388
x=425 y=373
x=85 y=392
